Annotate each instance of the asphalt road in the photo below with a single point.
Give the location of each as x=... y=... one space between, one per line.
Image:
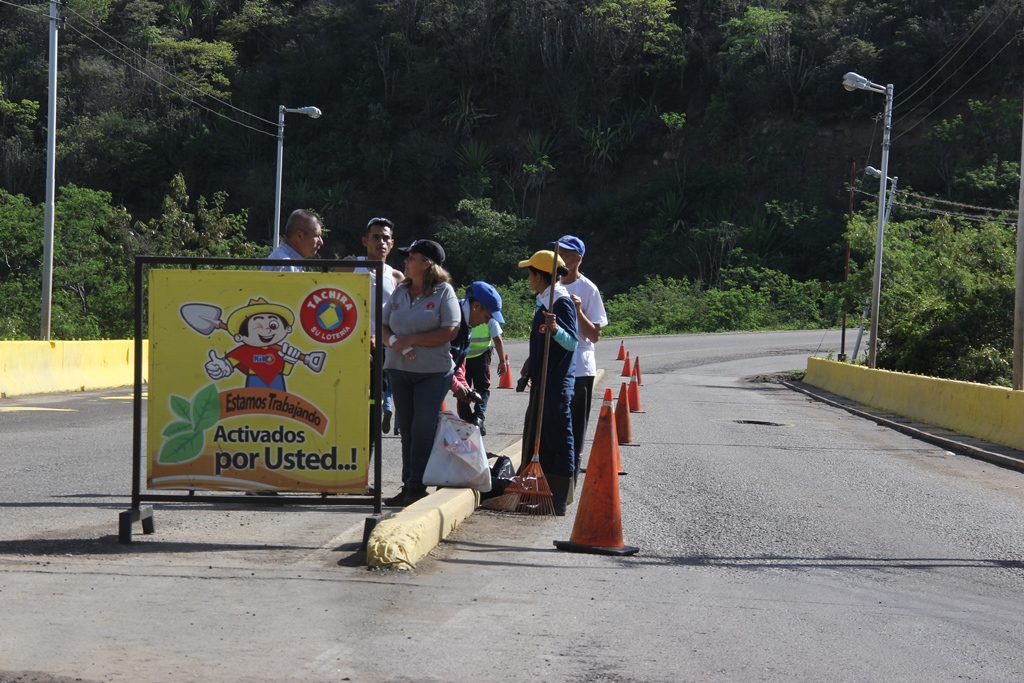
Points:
x=780 y=540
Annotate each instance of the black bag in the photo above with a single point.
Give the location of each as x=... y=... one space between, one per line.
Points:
x=502 y=468
x=502 y=474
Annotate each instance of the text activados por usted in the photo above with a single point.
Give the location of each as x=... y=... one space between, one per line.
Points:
x=280 y=459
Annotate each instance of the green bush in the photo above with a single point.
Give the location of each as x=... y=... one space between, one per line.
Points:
x=750 y=299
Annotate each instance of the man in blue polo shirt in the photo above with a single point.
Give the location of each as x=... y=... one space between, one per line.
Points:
x=303 y=237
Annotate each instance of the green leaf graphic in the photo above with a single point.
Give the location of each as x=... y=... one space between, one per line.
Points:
x=176 y=428
x=206 y=408
x=182 y=448
x=180 y=407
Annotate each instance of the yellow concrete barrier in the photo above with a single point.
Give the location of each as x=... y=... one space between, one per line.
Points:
x=405 y=538
x=37 y=367
x=987 y=412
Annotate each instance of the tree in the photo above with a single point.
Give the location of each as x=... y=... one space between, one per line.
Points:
x=947 y=297
x=209 y=231
x=486 y=245
x=20 y=159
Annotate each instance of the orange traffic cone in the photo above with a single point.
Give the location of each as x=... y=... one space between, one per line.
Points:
x=627 y=369
x=622 y=350
x=634 y=394
x=623 y=423
x=444 y=404
x=506 y=380
x=598 y=526
x=608 y=400
x=636 y=371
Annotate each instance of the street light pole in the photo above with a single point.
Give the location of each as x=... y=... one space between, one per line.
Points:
x=853 y=81
x=311 y=112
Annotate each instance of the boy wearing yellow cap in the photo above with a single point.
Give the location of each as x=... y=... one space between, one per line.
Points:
x=557 y=452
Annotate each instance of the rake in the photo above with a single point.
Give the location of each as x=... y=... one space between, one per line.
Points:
x=529 y=493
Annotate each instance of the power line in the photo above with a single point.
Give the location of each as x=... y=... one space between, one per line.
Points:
x=947 y=202
x=962 y=216
x=164 y=85
x=1015 y=37
x=24 y=7
x=160 y=68
x=118 y=57
x=961 y=44
x=941 y=212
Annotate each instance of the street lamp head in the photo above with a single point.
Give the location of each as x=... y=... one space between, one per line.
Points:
x=311 y=112
x=875 y=173
x=854 y=81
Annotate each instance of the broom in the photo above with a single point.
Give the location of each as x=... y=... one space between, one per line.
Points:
x=529 y=492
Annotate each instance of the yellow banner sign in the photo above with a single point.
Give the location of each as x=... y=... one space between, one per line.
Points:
x=259 y=381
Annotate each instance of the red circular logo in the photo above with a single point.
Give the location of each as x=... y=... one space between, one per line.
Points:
x=328 y=315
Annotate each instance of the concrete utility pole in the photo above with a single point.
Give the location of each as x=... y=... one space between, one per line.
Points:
x=1018 y=304
x=51 y=150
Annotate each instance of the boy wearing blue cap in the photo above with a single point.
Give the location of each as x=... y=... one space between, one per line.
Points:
x=483 y=340
x=590 y=318
x=480 y=309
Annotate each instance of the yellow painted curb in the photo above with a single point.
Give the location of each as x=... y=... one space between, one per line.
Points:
x=405 y=538
x=984 y=411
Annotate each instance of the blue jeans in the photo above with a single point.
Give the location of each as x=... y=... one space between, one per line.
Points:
x=417 y=397
x=387 y=406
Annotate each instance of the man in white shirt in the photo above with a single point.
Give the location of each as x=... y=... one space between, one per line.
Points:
x=303 y=237
x=379 y=239
x=590 y=318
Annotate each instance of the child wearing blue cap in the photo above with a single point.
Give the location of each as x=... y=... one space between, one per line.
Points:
x=484 y=339
x=481 y=309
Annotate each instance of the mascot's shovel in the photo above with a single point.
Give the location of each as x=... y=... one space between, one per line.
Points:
x=205 y=319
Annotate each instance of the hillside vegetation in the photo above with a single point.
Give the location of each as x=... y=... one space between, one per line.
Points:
x=703 y=151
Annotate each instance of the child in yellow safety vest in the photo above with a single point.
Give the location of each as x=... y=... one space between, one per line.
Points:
x=484 y=340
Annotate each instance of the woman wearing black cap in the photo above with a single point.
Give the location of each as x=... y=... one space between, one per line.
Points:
x=422 y=317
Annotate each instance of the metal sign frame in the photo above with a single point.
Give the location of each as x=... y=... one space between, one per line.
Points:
x=144 y=514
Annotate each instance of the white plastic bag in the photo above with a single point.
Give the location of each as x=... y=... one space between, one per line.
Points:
x=458 y=458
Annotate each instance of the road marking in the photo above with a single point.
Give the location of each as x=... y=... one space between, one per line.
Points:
x=327 y=663
x=353 y=532
x=18 y=409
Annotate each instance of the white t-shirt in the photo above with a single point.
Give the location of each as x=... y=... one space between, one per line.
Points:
x=389 y=288
x=593 y=307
